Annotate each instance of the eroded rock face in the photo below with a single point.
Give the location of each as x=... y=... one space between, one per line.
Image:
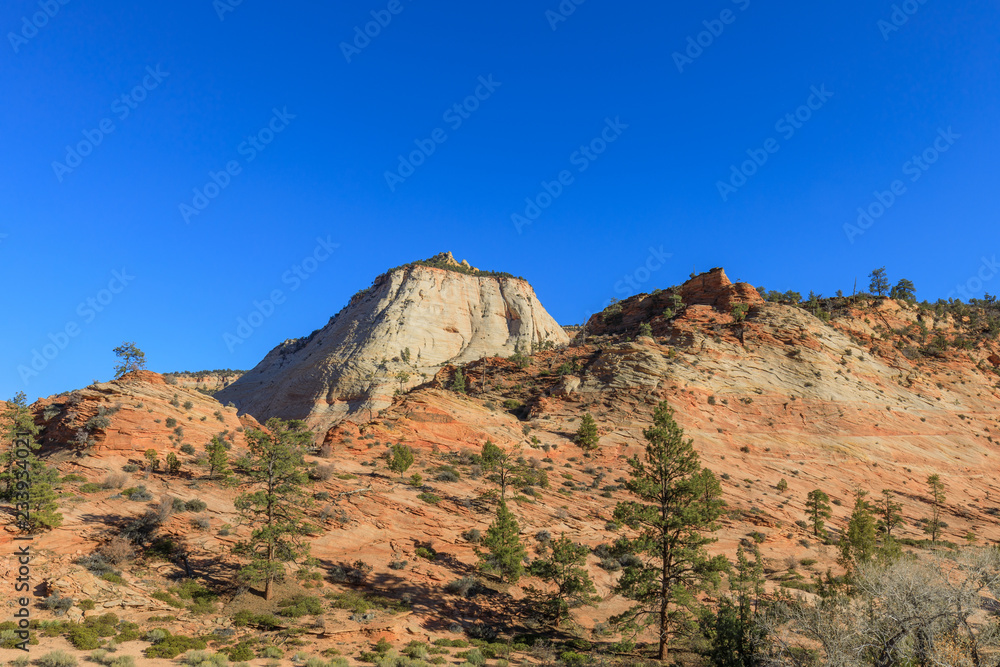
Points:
x=715 y=289
x=396 y=334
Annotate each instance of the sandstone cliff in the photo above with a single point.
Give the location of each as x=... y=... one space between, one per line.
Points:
x=393 y=336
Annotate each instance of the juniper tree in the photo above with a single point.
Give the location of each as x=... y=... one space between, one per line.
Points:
x=28 y=483
x=933 y=525
x=275 y=471
x=818 y=509
x=400 y=458
x=130 y=357
x=670 y=518
x=586 y=435
x=563 y=566
x=504 y=552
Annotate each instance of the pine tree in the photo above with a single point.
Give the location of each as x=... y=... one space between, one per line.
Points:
x=671 y=517
x=218 y=459
x=933 y=525
x=505 y=553
x=275 y=469
x=28 y=483
x=818 y=509
x=740 y=639
x=879 y=284
x=857 y=544
x=586 y=435
x=889 y=515
x=173 y=463
x=564 y=566
x=400 y=458
x=131 y=358
x=904 y=290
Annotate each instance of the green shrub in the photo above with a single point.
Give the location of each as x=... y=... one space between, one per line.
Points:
x=89 y=487
x=83 y=638
x=454 y=643
x=272 y=652
x=431 y=498
x=187 y=448
x=573 y=659
x=171 y=422
x=196 y=505
x=172 y=646
x=247 y=618
x=299 y=606
x=473 y=657
x=424 y=552
x=241 y=651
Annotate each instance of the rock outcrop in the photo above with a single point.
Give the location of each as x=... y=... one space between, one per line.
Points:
x=139 y=411
x=715 y=289
x=392 y=336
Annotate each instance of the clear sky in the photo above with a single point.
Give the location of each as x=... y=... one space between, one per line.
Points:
x=165 y=165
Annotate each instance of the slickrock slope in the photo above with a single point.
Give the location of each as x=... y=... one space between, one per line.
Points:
x=139 y=411
x=393 y=336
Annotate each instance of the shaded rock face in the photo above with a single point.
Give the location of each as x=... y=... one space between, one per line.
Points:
x=396 y=334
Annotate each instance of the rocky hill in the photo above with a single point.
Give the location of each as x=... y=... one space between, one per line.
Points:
x=780 y=399
x=393 y=336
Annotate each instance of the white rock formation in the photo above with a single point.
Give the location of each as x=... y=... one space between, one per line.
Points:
x=412 y=320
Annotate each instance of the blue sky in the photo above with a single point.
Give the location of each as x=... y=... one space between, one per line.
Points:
x=616 y=127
